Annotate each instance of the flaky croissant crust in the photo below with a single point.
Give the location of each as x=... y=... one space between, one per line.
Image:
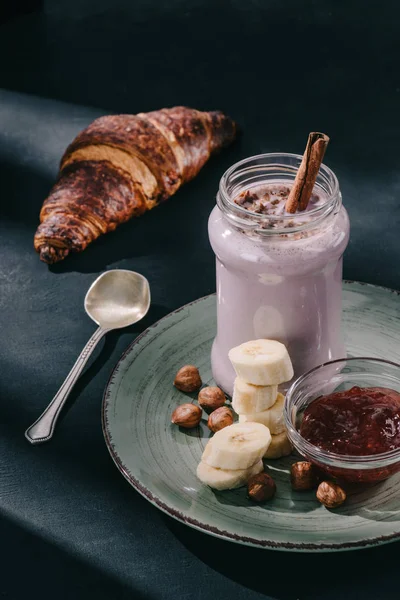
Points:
x=121 y=166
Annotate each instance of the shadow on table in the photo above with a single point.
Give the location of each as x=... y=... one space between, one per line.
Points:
x=23 y=190
x=155 y=313
x=295 y=576
x=23 y=575
x=18 y=419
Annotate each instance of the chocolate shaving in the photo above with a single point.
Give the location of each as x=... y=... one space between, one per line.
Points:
x=284 y=191
x=301 y=191
x=246 y=199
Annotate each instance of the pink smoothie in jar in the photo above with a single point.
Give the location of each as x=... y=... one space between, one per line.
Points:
x=279 y=275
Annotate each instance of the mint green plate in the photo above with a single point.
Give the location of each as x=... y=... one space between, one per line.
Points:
x=159 y=459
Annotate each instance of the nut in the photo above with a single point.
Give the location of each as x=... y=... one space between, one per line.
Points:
x=187 y=416
x=303 y=475
x=330 y=494
x=261 y=487
x=220 y=418
x=211 y=398
x=188 y=379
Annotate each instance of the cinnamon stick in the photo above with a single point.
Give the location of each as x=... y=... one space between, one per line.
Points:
x=301 y=191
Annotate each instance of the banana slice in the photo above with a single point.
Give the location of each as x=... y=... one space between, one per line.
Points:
x=238 y=446
x=225 y=479
x=279 y=446
x=271 y=418
x=262 y=362
x=248 y=399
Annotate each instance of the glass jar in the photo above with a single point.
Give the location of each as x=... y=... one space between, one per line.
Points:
x=278 y=276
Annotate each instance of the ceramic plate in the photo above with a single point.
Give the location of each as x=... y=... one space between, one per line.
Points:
x=160 y=459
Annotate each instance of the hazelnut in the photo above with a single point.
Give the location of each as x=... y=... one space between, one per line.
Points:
x=330 y=494
x=303 y=475
x=220 y=418
x=187 y=416
x=188 y=379
x=261 y=487
x=211 y=398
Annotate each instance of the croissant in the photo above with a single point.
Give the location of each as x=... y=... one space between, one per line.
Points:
x=121 y=166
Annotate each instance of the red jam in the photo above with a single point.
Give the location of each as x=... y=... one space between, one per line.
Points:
x=359 y=421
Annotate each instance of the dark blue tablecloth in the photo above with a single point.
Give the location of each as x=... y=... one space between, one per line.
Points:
x=70 y=526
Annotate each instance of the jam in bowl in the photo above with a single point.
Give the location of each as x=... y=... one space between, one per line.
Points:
x=344 y=416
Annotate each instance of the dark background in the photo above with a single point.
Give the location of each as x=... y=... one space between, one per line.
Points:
x=70 y=526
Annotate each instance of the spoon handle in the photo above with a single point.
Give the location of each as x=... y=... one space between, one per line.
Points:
x=43 y=428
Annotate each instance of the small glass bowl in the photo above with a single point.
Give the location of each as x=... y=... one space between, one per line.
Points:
x=340 y=375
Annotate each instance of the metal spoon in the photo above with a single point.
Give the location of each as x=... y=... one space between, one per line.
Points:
x=116 y=299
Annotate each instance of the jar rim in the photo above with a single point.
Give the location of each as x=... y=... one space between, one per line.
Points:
x=246 y=219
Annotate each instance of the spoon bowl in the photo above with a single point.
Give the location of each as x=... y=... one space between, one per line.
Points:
x=118 y=299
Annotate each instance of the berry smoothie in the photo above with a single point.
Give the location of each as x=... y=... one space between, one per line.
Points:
x=279 y=275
